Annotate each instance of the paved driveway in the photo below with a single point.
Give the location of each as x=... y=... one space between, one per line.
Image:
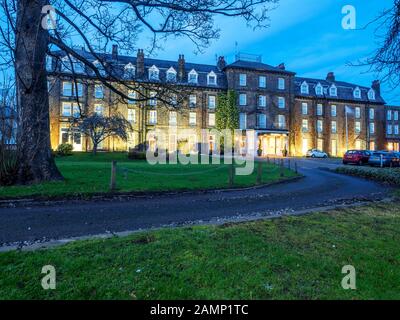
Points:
x=77 y=218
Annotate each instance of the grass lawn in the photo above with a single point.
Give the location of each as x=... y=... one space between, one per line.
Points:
x=86 y=174
x=287 y=258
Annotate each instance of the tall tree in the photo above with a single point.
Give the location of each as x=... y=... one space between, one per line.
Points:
x=227 y=113
x=96 y=24
x=386 y=59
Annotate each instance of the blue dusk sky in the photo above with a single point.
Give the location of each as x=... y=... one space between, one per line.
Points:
x=306 y=35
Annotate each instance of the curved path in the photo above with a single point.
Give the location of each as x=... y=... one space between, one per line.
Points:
x=59 y=221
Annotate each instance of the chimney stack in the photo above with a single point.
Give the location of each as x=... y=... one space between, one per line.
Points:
x=115 y=51
x=181 y=67
x=140 y=64
x=221 y=64
x=330 y=77
x=376 y=85
x=282 y=66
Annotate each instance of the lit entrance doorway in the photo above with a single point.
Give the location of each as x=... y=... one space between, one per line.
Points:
x=273 y=144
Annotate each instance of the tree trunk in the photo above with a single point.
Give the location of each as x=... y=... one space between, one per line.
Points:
x=35 y=160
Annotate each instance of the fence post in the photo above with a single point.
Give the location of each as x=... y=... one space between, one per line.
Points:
x=259 y=172
x=295 y=167
x=282 y=168
x=231 y=175
x=289 y=166
x=113 y=175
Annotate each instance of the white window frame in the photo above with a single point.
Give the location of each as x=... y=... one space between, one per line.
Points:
x=304 y=108
x=173 y=118
x=371 y=94
x=333 y=110
x=357 y=112
x=211 y=119
x=195 y=79
x=96 y=86
x=262 y=101
x=320 y=126
x=66 y=106
x=192 y=101
x=264 y=122
x=304 y=88
x=242 y=120
x=372 y=128
x=320 y=109
x=131 y=115
x=333 y=91
x=133 y=95
x=212 y=102
x=371 y=114
x=152 y=116
x=192 y=118
x=262 y=83
x=64 y=84
x=212 y=75
x=395 y=115
x=154 y=73
x=281 y=121
x=389 y=129
x=242 y=79
x=97 y=107
x=243 y=99
x=129 y=71
x=171 y=75
x=317 y=88
x=333 y=127
x=396 y=129
x=357 y=127
x=281 y=84
x=389 y=115
x=357 y=93
x=153 y=99
x=304 y=125
x=281 y=102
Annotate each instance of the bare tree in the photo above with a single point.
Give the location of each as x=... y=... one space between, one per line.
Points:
x=96 y=24
x=386 y=59
x=98 y=128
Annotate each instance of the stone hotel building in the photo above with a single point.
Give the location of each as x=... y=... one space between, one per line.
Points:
x=287 y=112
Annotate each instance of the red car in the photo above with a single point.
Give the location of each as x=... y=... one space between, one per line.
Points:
x=359 y=157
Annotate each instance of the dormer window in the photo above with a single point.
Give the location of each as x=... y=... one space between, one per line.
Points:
x=171 y=75
x=212 y=78
x=319 y=90
x=357 y=93
x=304 y=88
x=371 y=94
x=99 y=66
x=154 y=73
x=129 y=71
x=193 y=76
x=66 y=65
x=333 y=91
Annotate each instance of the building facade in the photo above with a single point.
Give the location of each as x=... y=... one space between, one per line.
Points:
x=289 y=114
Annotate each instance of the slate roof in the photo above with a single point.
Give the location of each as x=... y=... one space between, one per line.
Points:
x=344 y=90
x=257 y=66
x=163 y=65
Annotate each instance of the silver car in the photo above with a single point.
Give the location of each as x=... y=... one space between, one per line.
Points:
x=314 y=153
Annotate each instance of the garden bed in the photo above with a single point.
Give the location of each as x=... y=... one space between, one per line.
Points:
x=386 y=175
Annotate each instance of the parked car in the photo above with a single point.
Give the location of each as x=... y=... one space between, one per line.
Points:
x=359 y=157
x=386 y=158
x=314 y=153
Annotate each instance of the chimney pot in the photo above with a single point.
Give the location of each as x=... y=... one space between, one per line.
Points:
x=115 y=51
x=221 y=64
x=140 y=63
x=282 y=66
x=181 y=67
x=376 y=85
x=330 y=77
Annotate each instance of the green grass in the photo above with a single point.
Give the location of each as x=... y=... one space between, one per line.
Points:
x=86 y=174
x=287 y=258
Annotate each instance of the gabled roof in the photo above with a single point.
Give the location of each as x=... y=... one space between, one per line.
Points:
x=344 y=90
x=257 y=66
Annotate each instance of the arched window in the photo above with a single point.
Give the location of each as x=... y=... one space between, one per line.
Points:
x=357 y=93
x=371 y=94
